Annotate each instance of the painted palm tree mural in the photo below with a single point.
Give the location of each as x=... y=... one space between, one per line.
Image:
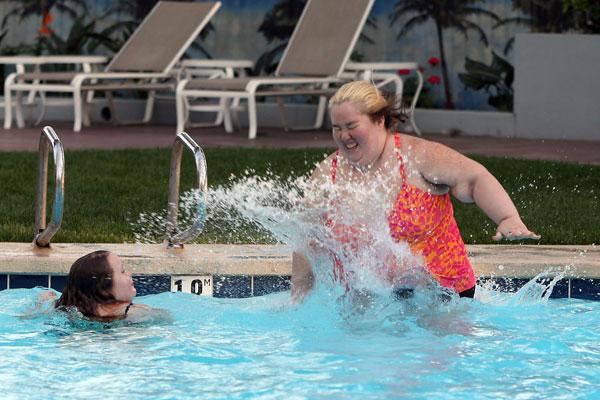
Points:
x=278 y=25
x=552 y=16
x=445 y=14
x=43 y=9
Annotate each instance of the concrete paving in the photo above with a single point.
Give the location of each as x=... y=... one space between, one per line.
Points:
x=106 y=136
x=521 y=261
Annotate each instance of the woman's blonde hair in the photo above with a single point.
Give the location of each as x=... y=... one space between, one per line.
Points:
x=371 y=100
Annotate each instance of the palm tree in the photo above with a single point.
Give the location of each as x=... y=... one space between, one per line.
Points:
x=42 y=9
x=550 y=16
x=445 y=14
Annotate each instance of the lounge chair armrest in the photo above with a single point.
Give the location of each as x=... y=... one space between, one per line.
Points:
x=217 y=63
x=80 y=78
x=253 y=85
x=380 y=66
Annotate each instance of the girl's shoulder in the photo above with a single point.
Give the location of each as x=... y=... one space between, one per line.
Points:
x=141 y=313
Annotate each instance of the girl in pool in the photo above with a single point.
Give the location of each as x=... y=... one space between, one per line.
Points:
x=99 y=288
x=415 y=178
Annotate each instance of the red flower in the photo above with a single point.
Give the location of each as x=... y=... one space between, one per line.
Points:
x=403 y=71
x=45 y=29
x=434 y=80
x=433 y=61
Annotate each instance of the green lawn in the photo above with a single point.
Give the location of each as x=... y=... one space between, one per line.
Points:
x=105 y=190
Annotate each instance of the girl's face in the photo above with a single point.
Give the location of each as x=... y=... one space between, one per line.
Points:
x=360 y=140
x=122 y=284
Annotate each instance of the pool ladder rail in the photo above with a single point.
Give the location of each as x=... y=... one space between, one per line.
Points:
x=49 y=141
x=177 y=239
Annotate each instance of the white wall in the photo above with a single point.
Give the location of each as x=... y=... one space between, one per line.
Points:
x=557 y=86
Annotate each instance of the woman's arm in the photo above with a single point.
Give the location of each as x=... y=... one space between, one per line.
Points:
x=302 y=277
x=302 y=272
x=469 y=182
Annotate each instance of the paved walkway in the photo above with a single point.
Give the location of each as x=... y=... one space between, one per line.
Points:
x=105 y=136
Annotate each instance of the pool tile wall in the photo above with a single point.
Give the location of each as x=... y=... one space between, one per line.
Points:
x=242 y=286
x=28 y=281
x=588 y=289
x=151 y=284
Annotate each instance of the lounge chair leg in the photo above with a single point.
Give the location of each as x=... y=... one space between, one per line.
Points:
x=219 y=118
x=8 y=102
x=86 y=102
x=413 y=105
x=149 y=106
x=114 y=118
x=19 y=109
x=283 y=114
x=320 y=112
x=252 y=117
x=77 y=111
x=181 y=111
x=40 y=117
x=85 y=113
x=226 y=107
x=414 y=125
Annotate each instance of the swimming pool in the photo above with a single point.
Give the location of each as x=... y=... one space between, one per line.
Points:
x=498 y=346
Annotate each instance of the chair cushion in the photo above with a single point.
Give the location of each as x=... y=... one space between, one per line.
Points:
x=47 y=76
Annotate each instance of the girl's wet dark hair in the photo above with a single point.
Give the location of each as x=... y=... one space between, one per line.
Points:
x=88 y=284
x=375 y=103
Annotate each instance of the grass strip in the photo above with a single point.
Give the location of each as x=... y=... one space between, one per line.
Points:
x=105 y=190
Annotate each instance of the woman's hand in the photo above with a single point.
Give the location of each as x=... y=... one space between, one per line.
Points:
x=513 y=228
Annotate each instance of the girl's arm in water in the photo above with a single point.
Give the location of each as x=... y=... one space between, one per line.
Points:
x=470 y=182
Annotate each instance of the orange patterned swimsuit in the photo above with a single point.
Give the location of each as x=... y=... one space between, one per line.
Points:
x=426 y=222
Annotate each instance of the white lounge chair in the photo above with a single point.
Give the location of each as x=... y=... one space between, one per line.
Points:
x=144 y=62
x=313 y=60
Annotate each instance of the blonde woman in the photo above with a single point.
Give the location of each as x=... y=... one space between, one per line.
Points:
x=418 y=176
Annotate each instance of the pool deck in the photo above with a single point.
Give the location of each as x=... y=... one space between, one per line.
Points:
x=109 y=137
x=518 y=261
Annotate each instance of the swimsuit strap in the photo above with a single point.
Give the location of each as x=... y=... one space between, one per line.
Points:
x=398 y=147
x=127 y=309
x=334 y=162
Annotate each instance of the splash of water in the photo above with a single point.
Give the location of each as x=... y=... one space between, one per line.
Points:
x=345 y=223
x=341 y=223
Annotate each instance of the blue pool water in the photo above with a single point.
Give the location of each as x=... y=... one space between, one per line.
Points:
x=496 y=346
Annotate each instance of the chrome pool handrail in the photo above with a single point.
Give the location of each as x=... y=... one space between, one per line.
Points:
x=49 y=140
x=177 y=239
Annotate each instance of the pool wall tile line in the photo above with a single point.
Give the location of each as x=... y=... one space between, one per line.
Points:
x=18 y=281
x=151 y=284
x=561 y=289
x=58 y=282
x=588 y=289
x=266 y=284
x=242 y=286
x=511 y=285
x=232 y=286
